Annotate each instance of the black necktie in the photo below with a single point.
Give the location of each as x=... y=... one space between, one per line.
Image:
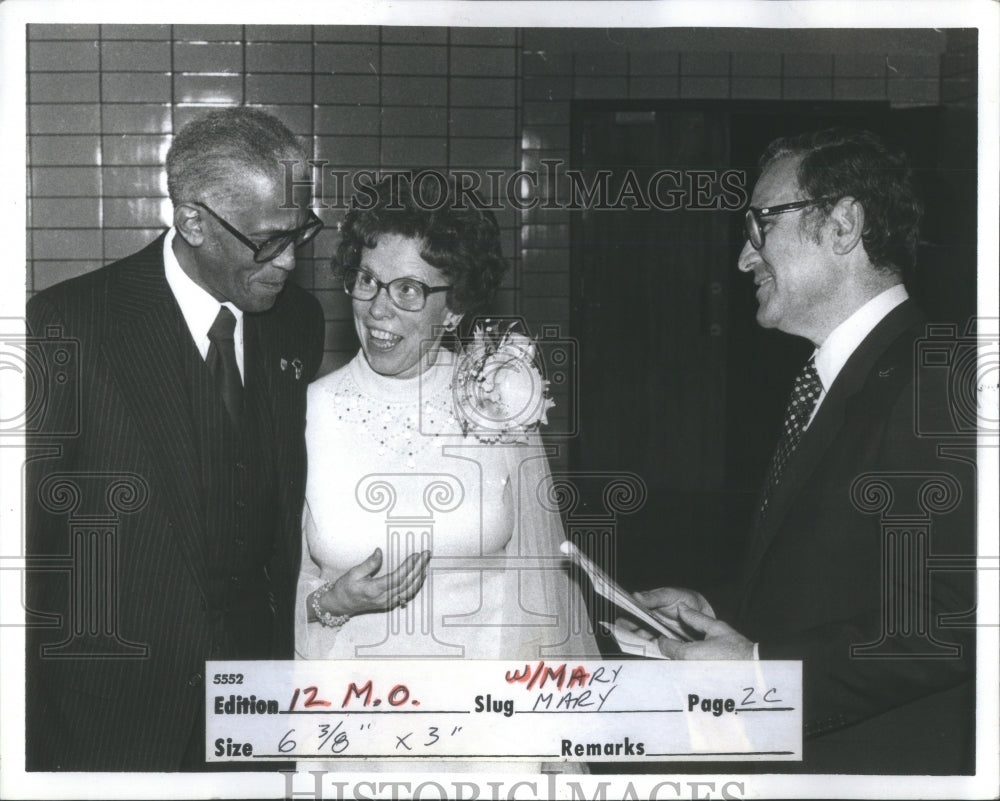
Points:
x=805 y=392
x=221 y=363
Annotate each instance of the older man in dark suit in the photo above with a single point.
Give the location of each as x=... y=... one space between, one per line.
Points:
x=179 y=436
x=856 y=499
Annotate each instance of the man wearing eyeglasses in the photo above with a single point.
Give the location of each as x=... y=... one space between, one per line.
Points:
x=195 y=355
x=887 y=684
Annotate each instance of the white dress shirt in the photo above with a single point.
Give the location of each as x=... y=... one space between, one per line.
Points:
x=840 y=345
x=198 y=307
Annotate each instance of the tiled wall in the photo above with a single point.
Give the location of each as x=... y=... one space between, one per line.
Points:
x=104 y=100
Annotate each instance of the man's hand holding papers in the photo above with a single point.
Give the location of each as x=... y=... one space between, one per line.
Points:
x=681 y=621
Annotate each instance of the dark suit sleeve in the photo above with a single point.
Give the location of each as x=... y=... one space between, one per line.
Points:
x=52 y=401
x=841 y=687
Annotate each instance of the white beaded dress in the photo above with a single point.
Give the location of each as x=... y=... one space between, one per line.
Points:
x=390 y=467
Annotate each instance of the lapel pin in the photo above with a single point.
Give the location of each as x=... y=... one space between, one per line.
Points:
x=296 y=365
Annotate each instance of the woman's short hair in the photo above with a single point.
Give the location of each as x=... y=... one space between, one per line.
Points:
x=213 y=154
x=843 y=162
x=459 y=238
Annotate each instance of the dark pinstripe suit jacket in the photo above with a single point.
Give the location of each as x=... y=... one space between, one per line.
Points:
x=115 y=452
x=815 y=582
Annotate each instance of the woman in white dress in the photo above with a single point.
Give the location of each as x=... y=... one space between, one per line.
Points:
x=420 y=540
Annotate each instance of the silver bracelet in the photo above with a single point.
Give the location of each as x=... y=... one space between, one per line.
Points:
x=328 y=619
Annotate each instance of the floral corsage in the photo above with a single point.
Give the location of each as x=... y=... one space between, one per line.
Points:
x=498 y=388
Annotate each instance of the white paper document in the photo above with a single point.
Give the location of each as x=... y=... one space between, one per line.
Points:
x=610 y=589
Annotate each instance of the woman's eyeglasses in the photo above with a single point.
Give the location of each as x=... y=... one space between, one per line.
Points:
x=407 y=294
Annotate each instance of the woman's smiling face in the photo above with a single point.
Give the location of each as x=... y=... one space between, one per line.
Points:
x=393 y=339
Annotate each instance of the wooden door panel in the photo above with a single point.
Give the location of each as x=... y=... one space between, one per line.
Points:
x=650 y=305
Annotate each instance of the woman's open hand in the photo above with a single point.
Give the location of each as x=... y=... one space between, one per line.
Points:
x=358 y=591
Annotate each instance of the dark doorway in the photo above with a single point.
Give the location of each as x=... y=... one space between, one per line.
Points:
x=678 y=383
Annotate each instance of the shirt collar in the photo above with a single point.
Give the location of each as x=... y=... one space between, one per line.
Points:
x=198 y=307
x=833 y=354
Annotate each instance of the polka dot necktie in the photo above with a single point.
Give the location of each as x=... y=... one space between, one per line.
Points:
x=805 y=392
x=221 y=362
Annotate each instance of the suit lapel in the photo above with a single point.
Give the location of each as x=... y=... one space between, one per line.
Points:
x=259 y=384
x=277 y=362
x=262 y=344
x=144 y=349
x=257 y=358
x=828 y=424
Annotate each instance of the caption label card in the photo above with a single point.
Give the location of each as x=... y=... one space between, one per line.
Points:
x=626 y=710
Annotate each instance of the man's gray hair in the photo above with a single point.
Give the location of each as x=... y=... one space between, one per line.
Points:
x=214 y=153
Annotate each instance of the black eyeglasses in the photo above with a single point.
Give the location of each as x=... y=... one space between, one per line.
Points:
x=752 y=218
x=408 y=294
x=273 y=246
